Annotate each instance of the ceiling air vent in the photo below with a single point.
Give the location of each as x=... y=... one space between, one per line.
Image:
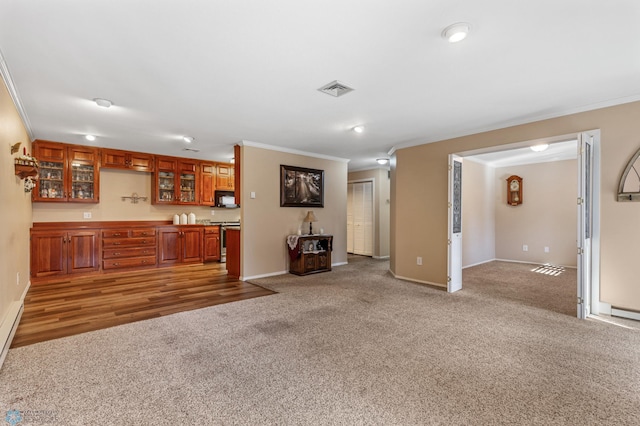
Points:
x=336 y=88
x=191 y=149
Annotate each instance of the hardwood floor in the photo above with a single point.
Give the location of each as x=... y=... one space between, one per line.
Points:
x=58 y=308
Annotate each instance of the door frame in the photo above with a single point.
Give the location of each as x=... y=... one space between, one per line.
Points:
x=593 y=289
x=373 y=210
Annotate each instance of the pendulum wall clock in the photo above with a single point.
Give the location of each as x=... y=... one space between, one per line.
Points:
x=514 y=190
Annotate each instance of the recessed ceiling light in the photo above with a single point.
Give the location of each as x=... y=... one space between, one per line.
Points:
x=540 y=148
x=188 y=139
x=90 y=138
x=105 y=103
x=382 y=160
x=358 y=129
x=456 y=32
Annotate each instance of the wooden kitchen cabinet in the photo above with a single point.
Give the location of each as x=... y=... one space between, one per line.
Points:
x=64 y=252
x=180 y=244
x=68 y=173
x=207 y=184
x=128 y=248
x=225 y=177
x=211 y=243
x=176 y=181
x=311 y=255
x=127 y=160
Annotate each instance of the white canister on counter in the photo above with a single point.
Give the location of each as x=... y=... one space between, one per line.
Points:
x=191 y=220
x=183 y=219
x=176 y=219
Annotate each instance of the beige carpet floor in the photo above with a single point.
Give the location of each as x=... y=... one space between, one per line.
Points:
x=349 y=347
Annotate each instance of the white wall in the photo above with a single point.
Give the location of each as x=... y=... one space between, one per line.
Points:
x=547 y=216
x=265 y=225
x=15 y=216
x=478 y=213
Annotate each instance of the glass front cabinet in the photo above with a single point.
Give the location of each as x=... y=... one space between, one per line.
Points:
x=68 y=173
x=176 y=181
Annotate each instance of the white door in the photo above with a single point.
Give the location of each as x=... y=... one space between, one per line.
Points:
x=585 y=223
x=360 y=208
x=454 y=267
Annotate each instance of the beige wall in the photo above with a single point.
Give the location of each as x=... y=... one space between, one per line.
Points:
x=419 y=195
x=113 y=185
x=15 y=215
x=478 y=213
x=265 y=225
x=381 y=207
x=547 y=216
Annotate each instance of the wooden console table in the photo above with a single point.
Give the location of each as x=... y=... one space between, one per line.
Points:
x=311 y=254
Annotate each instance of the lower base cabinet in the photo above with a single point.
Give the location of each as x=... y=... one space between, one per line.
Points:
x=129 y=248
x=311 y=255
x=211 y=244
x=180 y=244
x=64 y=252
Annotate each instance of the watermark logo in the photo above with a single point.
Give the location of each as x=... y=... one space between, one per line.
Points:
x=17 y=417
x=13 y=417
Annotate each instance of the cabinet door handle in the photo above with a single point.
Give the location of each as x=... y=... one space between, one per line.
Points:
x=144 y=261
x=144 y=234
x=116 y=243
x=116 y=254
x=117 y=234
x=144 y=241
x=116 y=264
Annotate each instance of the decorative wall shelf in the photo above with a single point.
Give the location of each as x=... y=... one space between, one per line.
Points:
x=26 y=168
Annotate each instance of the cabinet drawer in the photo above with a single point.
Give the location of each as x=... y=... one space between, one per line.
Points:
x=116 y=253
x=212 y=230
x=115 y=233
x=130 y=262
x=128 y=242
x=143 y=232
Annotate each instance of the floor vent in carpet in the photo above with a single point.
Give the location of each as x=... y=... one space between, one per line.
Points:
x=549 y=270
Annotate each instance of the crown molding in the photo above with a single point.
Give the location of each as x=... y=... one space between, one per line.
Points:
x=13 y=92
x=291 y=151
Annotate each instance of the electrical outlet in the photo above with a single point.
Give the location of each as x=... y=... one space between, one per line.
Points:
x=546 y=249
x=253 y=194
x=525 y=247
x=419 y=260
x=86 y=215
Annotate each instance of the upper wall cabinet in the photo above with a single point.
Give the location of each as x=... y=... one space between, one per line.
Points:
x=176 y=181
x=127 y=160
x=68 y=173
x=225 y=177
x=207 y=184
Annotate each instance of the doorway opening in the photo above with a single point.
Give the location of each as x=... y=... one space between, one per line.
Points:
x=585 y=147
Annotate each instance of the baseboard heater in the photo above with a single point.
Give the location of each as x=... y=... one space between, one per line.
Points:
x=623 y=313
x=7 y=331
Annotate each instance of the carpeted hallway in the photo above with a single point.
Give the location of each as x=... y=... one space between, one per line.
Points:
x=352 y=346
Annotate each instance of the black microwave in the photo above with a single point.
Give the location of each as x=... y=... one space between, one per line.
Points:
x=225 y=199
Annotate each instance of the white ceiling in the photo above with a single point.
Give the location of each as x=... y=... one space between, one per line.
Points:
x=227 y=71
x=559 y=151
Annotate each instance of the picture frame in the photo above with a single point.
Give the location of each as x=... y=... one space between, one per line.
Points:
x=301 y=187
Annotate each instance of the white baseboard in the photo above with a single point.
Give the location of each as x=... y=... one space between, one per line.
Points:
x=417 y=281
x=270 y=274
x=479 y=263
x=339 y=264
x=616 y=312
x=532 y=263
x=9 y=326
x=381 y=257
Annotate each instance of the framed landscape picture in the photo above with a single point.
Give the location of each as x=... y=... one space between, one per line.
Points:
x=301 y=187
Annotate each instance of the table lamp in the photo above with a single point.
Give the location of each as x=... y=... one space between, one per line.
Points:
x=310 y=217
